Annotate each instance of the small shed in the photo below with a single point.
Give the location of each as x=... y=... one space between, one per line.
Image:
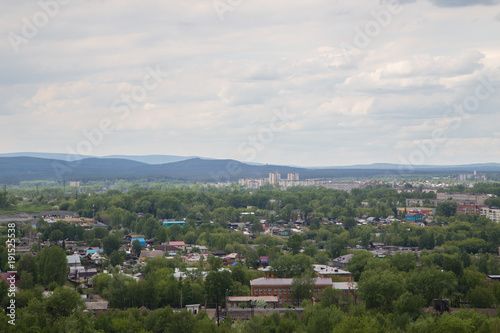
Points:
x=193 y=308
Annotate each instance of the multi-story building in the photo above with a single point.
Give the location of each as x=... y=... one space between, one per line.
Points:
x=343 y=186
x=274 y=178
x=424 y=210
x=474 y=176
x=293 y=179
x=252 y=182
x=414 y=217
x=422 y=202
x=459 y=198
x=469 y=209
x=412 y=189
x=282 y=288
x=491 y=213
x=463 y=198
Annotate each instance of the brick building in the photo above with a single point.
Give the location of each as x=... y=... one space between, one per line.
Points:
x=282 y=288
x=469 y=209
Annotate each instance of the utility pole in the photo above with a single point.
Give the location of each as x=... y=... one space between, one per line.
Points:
x=217 y=309
x=225 y=301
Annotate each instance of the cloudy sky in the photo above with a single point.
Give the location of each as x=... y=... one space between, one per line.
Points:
x=310 y=83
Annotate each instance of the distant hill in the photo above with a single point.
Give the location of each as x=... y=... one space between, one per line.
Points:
x=482 y=167
x=16 y=169
x=149 y=159
x=152 y=159
x=50 y=156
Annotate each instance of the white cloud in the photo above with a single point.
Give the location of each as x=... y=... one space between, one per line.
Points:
x=225 y=78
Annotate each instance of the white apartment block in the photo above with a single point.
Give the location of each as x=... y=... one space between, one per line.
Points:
x=477 y=199
x=274 y=178
x=491 y=213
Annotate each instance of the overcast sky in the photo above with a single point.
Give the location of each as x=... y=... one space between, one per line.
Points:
x=310 y=83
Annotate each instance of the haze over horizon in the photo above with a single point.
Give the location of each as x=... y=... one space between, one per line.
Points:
x=317 y=83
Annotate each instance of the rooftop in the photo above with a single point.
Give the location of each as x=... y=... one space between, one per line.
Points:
x=345 y=285
x=252 y=298
x=287 y=282
x=343 y=259
x=73 y=259
x=324 y=269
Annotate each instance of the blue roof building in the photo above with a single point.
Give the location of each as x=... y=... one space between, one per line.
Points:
x=171 y=223
x=92 y=251
x=414 y=217
x=141 y=240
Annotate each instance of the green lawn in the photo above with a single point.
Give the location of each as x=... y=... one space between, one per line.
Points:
x=25 y=208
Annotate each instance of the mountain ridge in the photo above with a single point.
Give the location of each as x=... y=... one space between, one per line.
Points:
x=21 y=168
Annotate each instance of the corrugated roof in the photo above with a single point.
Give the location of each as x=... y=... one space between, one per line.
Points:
x=73 y=259
x=103 y=305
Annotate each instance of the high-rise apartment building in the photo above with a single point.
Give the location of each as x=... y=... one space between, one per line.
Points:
x=274 y=178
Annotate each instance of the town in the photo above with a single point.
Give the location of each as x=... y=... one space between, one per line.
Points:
x=235 y=253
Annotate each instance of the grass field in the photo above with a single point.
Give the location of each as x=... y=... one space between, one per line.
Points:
x=25 y=208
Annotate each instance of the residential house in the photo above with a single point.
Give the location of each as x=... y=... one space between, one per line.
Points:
x=194 y=258
x=232 y=258
x=171 y=250
x=141 y=240
x=180 y=244
x=201 y=248
x=268 y=270
x=263 y=261
x=74 y=264
x=189 y=273
x=97 y=258
x=151 y=254
x=86 y=273
x=92 y=250
x=74 y=260
x=218 y=253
